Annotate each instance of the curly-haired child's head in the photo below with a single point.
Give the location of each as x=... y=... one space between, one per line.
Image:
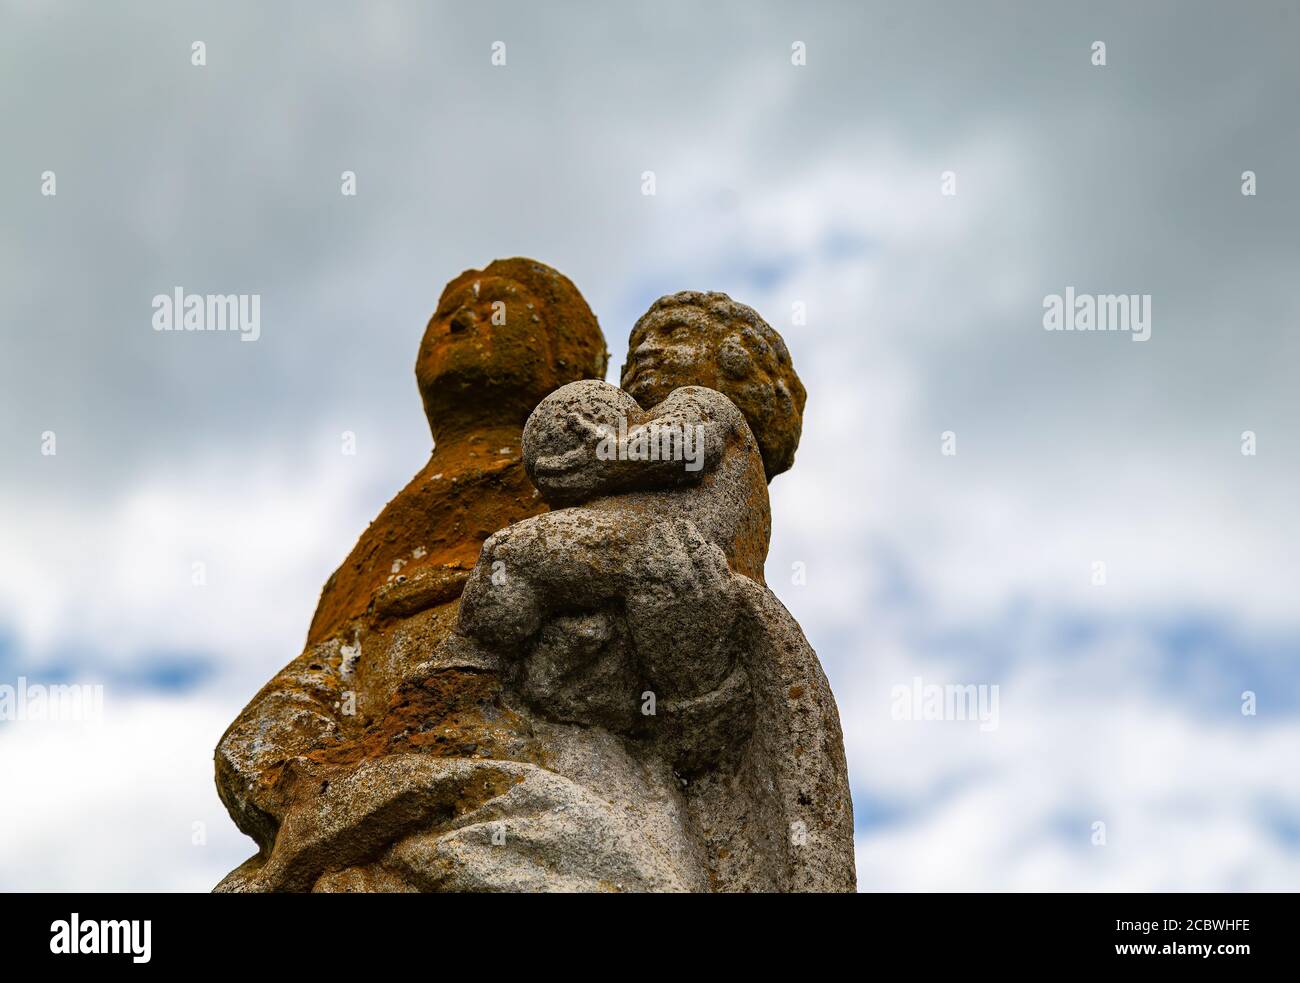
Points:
x=707 y=339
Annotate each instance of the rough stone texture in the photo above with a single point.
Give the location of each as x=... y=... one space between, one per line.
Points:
x=707 y=339
x=393 y=600
x=506 y=745
x=478 y=381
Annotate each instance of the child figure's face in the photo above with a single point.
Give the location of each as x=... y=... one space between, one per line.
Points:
x=689 y=345
x=668 y=352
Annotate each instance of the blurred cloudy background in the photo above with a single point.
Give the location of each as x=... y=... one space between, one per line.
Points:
x=781 y=185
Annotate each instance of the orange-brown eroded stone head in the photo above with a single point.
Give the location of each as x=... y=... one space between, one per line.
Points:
x=707 y=339
x=501 y=340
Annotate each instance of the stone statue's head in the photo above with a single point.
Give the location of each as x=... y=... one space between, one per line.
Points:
x=708 y=339
x=501 y=340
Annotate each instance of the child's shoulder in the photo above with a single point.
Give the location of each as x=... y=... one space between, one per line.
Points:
x=701 y=403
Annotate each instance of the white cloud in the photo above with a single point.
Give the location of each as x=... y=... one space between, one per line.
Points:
x=1193 y=794
x=112 y=805
x=117 y=582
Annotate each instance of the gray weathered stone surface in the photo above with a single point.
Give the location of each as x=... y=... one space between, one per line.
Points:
x=618 y=702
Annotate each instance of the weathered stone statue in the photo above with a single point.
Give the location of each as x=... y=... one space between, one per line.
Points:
x=622 y=704
x=500 y=340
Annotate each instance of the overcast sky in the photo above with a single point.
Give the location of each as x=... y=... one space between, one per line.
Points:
x=818 y=185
